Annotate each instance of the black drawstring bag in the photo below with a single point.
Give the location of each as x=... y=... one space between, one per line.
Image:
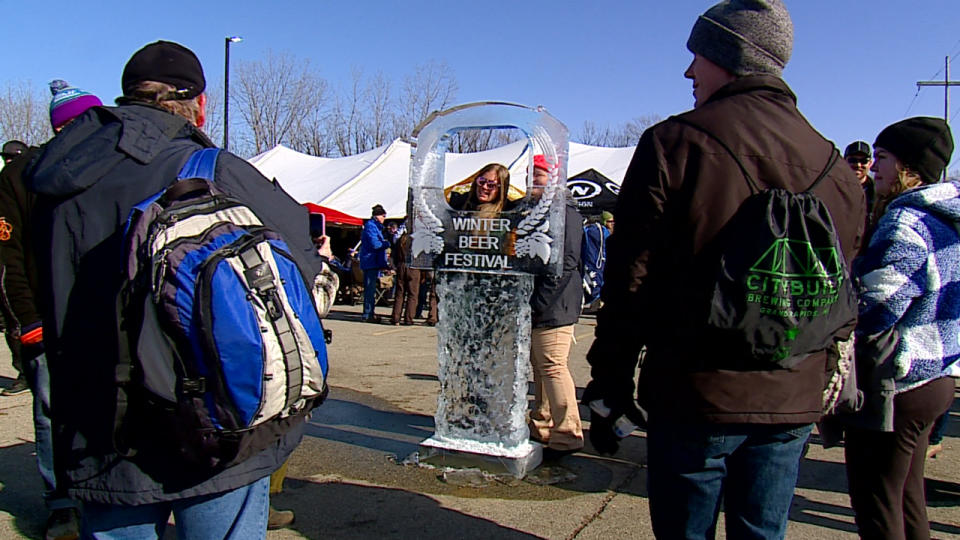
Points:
x=782 y=287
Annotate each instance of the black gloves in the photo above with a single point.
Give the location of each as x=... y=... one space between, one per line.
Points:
x=606 y=430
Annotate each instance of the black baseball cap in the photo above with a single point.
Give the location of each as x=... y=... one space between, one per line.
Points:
x=13 y=148
x=166 y=62
x=857 y=147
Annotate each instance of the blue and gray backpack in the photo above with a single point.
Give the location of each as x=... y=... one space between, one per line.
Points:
x=248 y=349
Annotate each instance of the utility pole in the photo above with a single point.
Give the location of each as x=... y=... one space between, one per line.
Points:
x=946 y=83
x=226 y=89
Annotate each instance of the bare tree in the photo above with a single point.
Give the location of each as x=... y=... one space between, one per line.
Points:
x=591 y=134
x=274 y=95
x=346 y=119
x=627 y=134
x=213 y=126
x=478 y=140
x=633 y=129
x=431 y=87
x=310 y=135
x=24 y=114
x=379 y=103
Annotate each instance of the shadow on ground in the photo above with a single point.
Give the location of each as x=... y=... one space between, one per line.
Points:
x=361 y=437
x=21 y=493
x=343 y=510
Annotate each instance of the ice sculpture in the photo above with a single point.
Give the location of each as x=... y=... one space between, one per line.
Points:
x=485 y=269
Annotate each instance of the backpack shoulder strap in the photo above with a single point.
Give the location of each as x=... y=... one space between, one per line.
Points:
x=754 y=188
x=831 y=160
x=201 y=164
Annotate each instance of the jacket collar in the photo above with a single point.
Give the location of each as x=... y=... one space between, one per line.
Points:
x=752 y=83
x=100 y=139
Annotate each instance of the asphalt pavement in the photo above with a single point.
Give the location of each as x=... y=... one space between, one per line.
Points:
x=355 y=474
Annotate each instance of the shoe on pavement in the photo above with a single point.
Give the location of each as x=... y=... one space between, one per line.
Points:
x=63 y=524
x=552 y=454
x=278 y=519
x=933 y=450
x=19 y=386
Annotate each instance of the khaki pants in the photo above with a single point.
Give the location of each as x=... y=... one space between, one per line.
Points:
x=555 y=419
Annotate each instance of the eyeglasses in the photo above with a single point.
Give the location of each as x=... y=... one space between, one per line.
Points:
x=483 y=181
x=858 y=160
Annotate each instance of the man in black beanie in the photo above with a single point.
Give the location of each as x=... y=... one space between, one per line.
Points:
x=373 y=259
x=87 y=181
x=721 y=425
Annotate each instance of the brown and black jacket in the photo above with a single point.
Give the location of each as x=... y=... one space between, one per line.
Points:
x=679 y=192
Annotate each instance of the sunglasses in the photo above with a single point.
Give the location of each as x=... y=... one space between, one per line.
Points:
x=486 y=182
x=858 y=160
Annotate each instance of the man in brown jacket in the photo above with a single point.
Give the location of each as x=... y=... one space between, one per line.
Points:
x=720 y=425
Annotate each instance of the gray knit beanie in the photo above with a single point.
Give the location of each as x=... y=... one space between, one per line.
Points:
x=744 y=37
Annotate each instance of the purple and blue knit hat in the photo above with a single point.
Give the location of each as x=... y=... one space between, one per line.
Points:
x=68 y=103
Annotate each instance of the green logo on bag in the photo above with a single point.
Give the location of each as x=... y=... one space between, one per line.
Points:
x=795 y=279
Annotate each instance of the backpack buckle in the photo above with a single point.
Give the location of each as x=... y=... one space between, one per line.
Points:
x=260 y=277
x=271 y=300
x=194 y=386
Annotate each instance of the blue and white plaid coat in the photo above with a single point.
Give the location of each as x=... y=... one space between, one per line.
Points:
x=910 y=277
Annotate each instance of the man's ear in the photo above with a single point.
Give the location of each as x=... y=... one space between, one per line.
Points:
x=202 y=115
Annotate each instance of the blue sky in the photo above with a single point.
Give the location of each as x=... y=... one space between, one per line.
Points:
x=854 y=68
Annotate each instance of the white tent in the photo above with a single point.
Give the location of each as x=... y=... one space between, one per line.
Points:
x=353 y=184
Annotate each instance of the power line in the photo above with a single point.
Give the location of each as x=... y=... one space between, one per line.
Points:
x=934 y=76
x=946 y=84
x=956 y=49
x=912 y=101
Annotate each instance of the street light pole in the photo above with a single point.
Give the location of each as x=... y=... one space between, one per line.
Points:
x=226 y=89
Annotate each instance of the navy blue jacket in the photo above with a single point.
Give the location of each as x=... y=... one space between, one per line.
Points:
x=87 y=179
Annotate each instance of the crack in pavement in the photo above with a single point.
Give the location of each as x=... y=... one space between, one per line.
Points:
x=606 y=501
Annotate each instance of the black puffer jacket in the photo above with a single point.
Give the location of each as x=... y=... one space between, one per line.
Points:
x=87 y=179
x=556 y=301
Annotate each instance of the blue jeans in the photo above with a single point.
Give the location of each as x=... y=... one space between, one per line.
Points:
x=370 y=281
x=38 y=376
x=235 y=515
x=752 y=467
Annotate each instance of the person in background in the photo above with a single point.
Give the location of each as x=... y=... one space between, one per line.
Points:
x=607 y=219
x=935 y=441
x=392 y=234
x=11 y=329
x=555 y=309
x=407 y=283
x=373 y=259
x=860 y=159
x=20 y=292
x=910 y=288
x=593 y=254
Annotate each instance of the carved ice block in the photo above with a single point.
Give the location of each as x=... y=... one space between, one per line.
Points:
x=485 y=272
